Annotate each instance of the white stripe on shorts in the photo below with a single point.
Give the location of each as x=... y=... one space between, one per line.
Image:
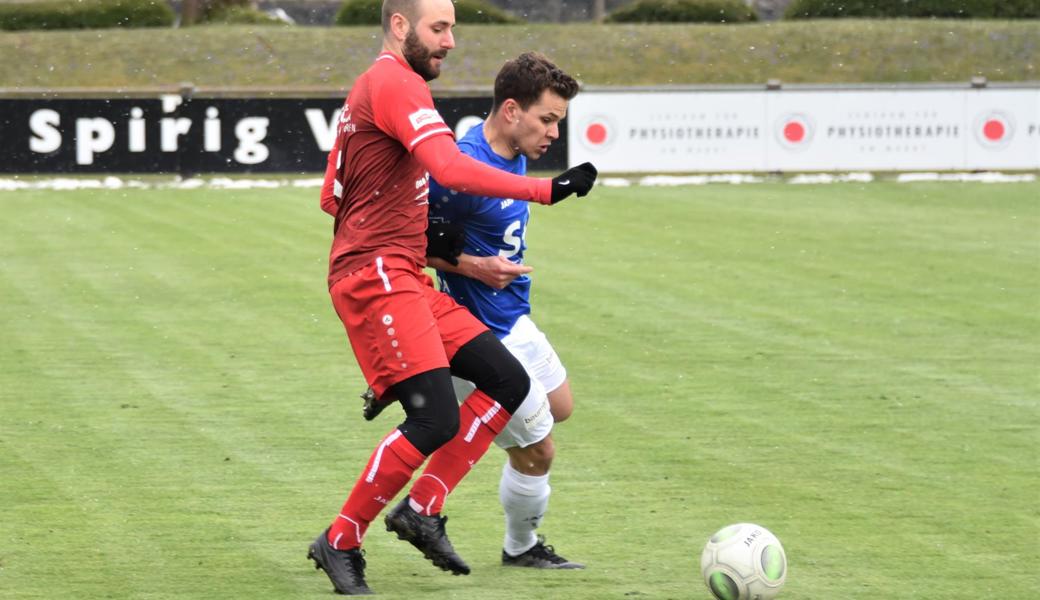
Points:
x=382 y=274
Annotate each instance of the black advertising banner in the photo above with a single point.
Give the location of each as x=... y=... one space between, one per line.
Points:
x=171 y=134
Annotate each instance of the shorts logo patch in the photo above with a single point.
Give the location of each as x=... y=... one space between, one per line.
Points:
x=532 y=421
x=423 y=117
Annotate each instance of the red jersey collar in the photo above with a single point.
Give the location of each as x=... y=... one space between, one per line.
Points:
x=387 y=54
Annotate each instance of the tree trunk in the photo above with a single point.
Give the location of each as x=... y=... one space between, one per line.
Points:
x=192 y=11
x=599 y=10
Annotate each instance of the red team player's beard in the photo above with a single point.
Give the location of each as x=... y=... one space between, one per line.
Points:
x=419 y=57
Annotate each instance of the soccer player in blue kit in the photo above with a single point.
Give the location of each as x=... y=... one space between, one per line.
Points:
x=489 y=278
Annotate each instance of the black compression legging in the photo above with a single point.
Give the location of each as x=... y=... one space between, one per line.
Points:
x=428 y=399
x=489 y=365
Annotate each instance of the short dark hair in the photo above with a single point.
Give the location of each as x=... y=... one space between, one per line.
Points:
x=408 y=8
x=525 y=78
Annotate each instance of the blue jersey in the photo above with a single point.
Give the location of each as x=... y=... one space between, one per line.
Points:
x=493 y=226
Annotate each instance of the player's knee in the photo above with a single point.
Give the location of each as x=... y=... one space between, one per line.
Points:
x=496 y=372
x=514 y=387
x=432 y=411
x=444 y=427
x=544 y=452
x=429 y=430
x=535 y=459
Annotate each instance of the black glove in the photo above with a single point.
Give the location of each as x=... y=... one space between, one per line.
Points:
x=576 y=180
x=445 y=240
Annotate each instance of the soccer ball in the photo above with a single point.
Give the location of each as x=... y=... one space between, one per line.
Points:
x=744 y=562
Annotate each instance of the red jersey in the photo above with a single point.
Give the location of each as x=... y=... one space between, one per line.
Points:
x=381 y=192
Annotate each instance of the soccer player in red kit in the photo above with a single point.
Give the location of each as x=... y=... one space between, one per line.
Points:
x=407 y=337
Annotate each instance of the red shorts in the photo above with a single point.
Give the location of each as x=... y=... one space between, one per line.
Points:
x=398 y=324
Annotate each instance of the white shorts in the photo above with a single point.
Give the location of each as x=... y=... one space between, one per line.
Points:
x=533 y=420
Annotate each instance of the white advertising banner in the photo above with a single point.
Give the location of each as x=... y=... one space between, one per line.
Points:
x=667 y=131
x=865 y=131
x=1003 y=129
x=802 y=130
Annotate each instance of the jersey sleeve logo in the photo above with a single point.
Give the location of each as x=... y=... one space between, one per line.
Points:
x=423 y=117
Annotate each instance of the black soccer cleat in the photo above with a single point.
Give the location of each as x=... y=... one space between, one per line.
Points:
x=539 y=556
x=373 y=406
x=345 y=568
x=426 y=532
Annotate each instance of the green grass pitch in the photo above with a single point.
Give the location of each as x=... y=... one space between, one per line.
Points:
x=853 y=366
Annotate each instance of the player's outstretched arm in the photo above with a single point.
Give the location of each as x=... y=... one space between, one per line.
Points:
x=452 y=169
x=493 y=271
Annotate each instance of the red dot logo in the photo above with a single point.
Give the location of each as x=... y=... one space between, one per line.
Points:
x=596 y=133
x=993 y=130
x=794 y=132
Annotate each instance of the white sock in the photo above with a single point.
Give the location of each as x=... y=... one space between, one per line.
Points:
x=525 y=499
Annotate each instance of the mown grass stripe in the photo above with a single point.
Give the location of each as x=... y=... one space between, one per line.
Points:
x=885 y=437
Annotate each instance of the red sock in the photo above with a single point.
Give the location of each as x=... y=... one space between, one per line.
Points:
x=480 y=420
x=388 y=470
